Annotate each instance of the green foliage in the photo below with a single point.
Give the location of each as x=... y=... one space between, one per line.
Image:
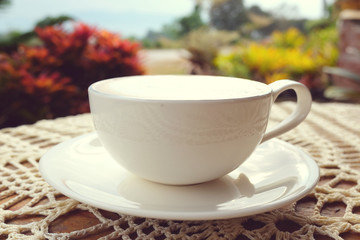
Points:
x=258 y=11
x=191 y=22
x=314 y=25
x=227 y=14
x=172 y=34
x=9 y=42
x=171 y=31
x=4 y=3
x=50 y=21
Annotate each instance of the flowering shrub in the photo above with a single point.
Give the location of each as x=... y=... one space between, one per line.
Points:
x=286 y=55
x=292 y=38
x=51 y=80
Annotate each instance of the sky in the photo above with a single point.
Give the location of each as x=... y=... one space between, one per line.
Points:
x=130 y=17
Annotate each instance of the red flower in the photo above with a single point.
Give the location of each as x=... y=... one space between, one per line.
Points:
x=45 y=83
x=51 y=80
x=59 y=42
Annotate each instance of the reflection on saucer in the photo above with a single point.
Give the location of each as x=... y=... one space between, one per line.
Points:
x=275 y=175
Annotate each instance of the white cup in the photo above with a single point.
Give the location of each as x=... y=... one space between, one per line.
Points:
x=187 y=129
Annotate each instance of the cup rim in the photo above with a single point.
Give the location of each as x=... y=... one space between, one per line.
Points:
x=92 y=90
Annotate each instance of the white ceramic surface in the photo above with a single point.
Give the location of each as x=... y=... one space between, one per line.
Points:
x=167 y=128
x=275 y=175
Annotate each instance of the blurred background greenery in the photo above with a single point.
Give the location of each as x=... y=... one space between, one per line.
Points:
x=45 y=72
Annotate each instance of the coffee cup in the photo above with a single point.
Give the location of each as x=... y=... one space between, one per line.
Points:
x=180 y=129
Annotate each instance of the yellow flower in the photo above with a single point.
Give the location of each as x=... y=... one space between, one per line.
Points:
x=291 y=38
x=270 y=78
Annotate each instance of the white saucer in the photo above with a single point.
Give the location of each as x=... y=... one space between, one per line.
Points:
x=276 y=175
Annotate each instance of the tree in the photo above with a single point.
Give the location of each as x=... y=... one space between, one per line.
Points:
x=191 y=22
x=4 y=3
x=227 y=14
x=258 y=11
x=10 y=41
x=176 y=30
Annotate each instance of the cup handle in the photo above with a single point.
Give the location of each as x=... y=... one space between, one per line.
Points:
x=303 y=107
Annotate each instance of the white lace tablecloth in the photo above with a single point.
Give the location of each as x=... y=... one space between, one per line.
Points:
x=330 y=134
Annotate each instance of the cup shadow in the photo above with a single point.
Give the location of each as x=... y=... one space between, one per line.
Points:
x=207 y=196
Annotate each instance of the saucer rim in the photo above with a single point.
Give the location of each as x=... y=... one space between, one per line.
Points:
x=312 y=180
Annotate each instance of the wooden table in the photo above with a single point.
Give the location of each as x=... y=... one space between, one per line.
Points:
x=31 y=209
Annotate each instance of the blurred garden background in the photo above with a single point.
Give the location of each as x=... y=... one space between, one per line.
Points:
x=45 y=70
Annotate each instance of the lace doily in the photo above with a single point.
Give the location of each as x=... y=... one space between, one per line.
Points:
x=330 y=134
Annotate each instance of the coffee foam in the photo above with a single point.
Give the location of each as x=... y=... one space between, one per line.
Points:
x=179 y=87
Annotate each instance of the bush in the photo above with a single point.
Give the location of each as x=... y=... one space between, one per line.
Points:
x=286 y=55
x=51 y=80
x=204 y=45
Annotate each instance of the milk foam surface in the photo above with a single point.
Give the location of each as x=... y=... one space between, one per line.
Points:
x=177 y=87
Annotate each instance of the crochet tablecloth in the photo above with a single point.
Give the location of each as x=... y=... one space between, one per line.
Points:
x=32 y=209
